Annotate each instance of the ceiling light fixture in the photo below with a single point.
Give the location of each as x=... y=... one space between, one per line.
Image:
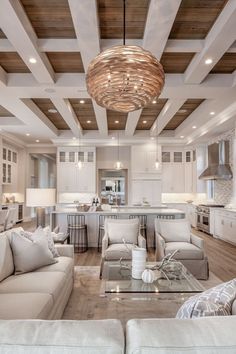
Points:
x=194 y=127
x=27 y=134
x=124 y=78
x=80 y=157
x=182 y=110
x=212 y=113
x=81 y=101
x=144 y=122
x=32 y=60
x=116 y=121
x=208 y=61
x=181 y=136
x=52 y=110
x=37 y=141
x=154 y=101
x=88 y=121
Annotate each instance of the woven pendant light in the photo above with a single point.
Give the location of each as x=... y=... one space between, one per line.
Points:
x=124 y=78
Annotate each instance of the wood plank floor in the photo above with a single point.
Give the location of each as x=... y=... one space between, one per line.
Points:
x=221 y=255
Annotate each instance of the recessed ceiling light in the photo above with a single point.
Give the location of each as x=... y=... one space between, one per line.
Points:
x=208 y=61
x=194 y=127
x=52 y=110
x=152 y=138
x=212 y=113
x=144 y=121
x=27 y=134
x=74 y=138
x=113 y=137
x=32 y=60
x=88 y=121
x=181 y=136
x=81 y=101
x=182 y=111
x=116 y=121
x=37 y=141
x=154 y=101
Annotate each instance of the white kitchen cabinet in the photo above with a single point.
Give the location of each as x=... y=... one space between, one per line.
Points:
x=10 y=168
x=72 y=178
x=146 y=190
x=225 y=226
x=143 y=160
x=173 y=178
x=192 y=215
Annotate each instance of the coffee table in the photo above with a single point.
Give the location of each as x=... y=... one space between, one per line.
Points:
x=117 y=279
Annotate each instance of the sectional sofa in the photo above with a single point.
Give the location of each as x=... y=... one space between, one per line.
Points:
x=42 y=294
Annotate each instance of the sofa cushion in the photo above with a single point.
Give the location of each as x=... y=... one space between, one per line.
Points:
x=64 y=264
x=6 y=258
x=175 y=230
x=186 y=250
x=25 y=306
x=119 y=230
x=57 y=337
x=117 y=251
x=171 y=336
x=216 y=301
x=29 y=255
x=36 y=282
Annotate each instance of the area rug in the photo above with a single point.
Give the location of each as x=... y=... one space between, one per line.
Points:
x=87 y=300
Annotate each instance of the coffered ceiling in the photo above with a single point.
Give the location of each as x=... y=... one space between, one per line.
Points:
x=43 y=98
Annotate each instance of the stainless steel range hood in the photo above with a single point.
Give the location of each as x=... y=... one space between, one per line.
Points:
x=218 y=162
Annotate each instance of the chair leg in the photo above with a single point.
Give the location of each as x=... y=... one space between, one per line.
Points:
x=101 y=268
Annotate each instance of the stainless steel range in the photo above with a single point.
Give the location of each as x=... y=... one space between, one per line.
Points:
x=203 y=216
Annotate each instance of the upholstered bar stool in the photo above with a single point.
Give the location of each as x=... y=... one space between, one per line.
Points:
x=77 y=231
x=143 y=225
x=101 y=228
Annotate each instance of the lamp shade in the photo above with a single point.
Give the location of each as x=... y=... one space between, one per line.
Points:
x=40 y=197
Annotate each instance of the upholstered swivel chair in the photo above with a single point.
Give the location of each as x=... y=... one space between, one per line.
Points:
x=120 y=237
x=172 y=235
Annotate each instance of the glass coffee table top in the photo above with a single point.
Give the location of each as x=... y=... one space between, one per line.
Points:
x=118 y=280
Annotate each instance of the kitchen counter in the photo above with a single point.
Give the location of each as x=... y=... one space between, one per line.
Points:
x=59 y=217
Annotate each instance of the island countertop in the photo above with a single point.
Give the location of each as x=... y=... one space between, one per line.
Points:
x=130 y=210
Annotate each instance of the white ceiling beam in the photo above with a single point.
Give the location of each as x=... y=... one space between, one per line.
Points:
x=221 y=36
x=8 y=121
x=58 y=45
x=18 y=29
x=86 y=24
x=3 y=77
x=160 y=18
x=67 y=112
x=168 y=111
x=132 y=122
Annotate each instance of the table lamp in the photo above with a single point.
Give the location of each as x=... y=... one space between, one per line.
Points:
x=40 y=198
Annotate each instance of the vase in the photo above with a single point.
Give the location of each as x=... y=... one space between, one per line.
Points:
x=139 y=256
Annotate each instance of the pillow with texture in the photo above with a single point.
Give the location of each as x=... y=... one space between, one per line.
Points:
x=39 y=232
x=216 y=301
x=28 y=254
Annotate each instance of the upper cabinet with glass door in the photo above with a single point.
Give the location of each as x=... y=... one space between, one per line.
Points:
x=9 y=164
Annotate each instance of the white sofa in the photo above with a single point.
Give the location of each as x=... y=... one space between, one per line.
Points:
x=209 y=335
x=42 y=294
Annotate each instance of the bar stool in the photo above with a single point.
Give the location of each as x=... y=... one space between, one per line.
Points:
x=77 y=231
x=101 y=228
x=143 y=225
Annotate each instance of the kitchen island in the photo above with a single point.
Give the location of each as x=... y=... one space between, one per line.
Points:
x=59 y=217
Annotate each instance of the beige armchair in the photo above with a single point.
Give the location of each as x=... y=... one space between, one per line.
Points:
x=172 y=235
x=120 y=237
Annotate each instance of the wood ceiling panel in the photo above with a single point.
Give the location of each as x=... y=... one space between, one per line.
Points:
x=44 y=104
x=116 y=120
x=5 y=113
x=195 y=18
x=2 y=34
x=111 y=18
x=186 y=109
x=176 y=62
x=12 y=63
x=226 y=65
x=66 y=62
x=50 y=18
x=85 y=113
x=149 y=114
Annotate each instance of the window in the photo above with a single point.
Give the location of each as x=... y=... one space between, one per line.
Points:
x=210 y=189
x=9 y=155
x=4 y=153
x=165 y=156
x=177 y=156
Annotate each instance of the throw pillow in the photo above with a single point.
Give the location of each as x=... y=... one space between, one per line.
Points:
x=39 y=232
x=30 y=255
x=216 y=301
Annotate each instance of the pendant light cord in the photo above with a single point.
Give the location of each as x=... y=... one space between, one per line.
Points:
x=118 y=150
x=123 y=22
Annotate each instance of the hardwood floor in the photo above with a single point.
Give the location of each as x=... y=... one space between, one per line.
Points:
x=221 y=255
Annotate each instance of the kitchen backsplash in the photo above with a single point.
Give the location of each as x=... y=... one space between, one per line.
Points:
x=223 y=191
